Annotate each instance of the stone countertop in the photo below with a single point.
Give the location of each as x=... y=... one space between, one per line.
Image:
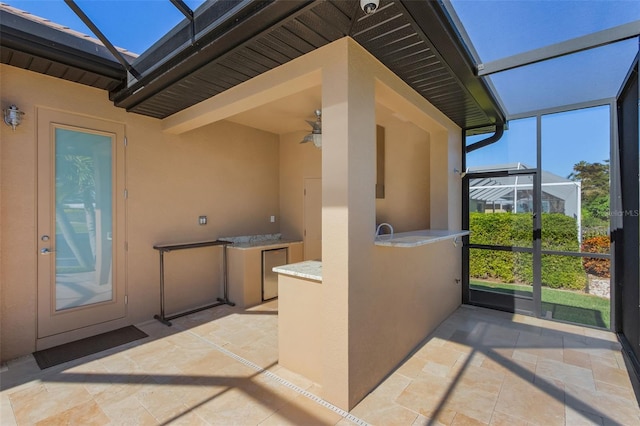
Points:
x=417 y=238
x=258 y=241
x=263 y=243
x=309 y=269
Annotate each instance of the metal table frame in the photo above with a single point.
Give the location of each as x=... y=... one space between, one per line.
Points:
x=165 y=248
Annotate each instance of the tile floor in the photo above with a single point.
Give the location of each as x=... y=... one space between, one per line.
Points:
x=220 y=367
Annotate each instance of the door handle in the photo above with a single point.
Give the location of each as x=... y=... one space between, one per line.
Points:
x=45 y=251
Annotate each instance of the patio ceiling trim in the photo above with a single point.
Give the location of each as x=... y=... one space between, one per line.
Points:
x=575 y=45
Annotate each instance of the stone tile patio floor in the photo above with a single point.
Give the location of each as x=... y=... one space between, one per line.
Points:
x=220 y=366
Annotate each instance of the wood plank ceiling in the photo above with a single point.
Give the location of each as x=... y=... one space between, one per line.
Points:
x=394 y=34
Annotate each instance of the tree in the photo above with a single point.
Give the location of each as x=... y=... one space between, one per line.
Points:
x=595 y=187
x=75 y=178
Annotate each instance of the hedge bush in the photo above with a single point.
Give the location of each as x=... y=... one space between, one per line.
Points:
x=559 y=232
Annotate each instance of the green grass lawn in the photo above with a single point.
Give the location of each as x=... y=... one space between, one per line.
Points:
x=564 y=305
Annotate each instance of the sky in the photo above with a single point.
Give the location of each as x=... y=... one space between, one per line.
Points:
x=497 y=28
x=567 y=138
x=130 y=24
x=531 y=24
x=516 y=26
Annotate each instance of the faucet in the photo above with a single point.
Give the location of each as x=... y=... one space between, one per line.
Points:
x=380 y=226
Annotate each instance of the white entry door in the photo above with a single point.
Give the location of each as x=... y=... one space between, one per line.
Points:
x=80 y=222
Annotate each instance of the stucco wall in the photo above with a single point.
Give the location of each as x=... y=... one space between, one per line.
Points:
x=407 y=181
x=378 y=304
x=297 y=162
x=406 y=204
x=225 y=171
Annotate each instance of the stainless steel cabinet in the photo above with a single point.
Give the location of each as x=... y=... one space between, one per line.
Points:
x=271 y=259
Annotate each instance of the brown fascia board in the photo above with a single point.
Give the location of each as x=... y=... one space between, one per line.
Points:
x=217 y=31
x=433 y=21
x=43 y=41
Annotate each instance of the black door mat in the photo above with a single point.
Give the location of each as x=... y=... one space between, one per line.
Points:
x=91 y=345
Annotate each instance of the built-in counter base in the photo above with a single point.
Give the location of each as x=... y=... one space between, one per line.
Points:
x=425 y=282
x=245 y=267
x=300 y=314
x=418 y=238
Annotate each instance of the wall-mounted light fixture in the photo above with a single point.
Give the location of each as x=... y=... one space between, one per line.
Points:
x=13 y=116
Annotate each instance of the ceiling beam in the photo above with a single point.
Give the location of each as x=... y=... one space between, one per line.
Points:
x=188 y=13
x=183 y=8
x=574 y=45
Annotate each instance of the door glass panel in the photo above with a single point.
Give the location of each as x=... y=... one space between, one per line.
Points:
x=83 y=218
x=500 y=211
x=576 y=289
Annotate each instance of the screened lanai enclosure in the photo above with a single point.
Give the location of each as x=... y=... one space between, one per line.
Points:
x=539 y=239
x=551 y=196
x=545 y=92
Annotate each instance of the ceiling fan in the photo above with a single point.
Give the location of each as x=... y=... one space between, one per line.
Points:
x=316 y=133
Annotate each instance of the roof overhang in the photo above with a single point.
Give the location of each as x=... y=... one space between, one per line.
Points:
x=224 y=48
x=34 y=44
x=228 y=43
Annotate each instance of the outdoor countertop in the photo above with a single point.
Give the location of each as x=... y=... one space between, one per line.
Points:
x=244 y=242
x=263 y=244
x=417 y=238
x=309 y=269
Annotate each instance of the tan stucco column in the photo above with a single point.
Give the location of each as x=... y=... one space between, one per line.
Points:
x=446 y=186
x=348 y=211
